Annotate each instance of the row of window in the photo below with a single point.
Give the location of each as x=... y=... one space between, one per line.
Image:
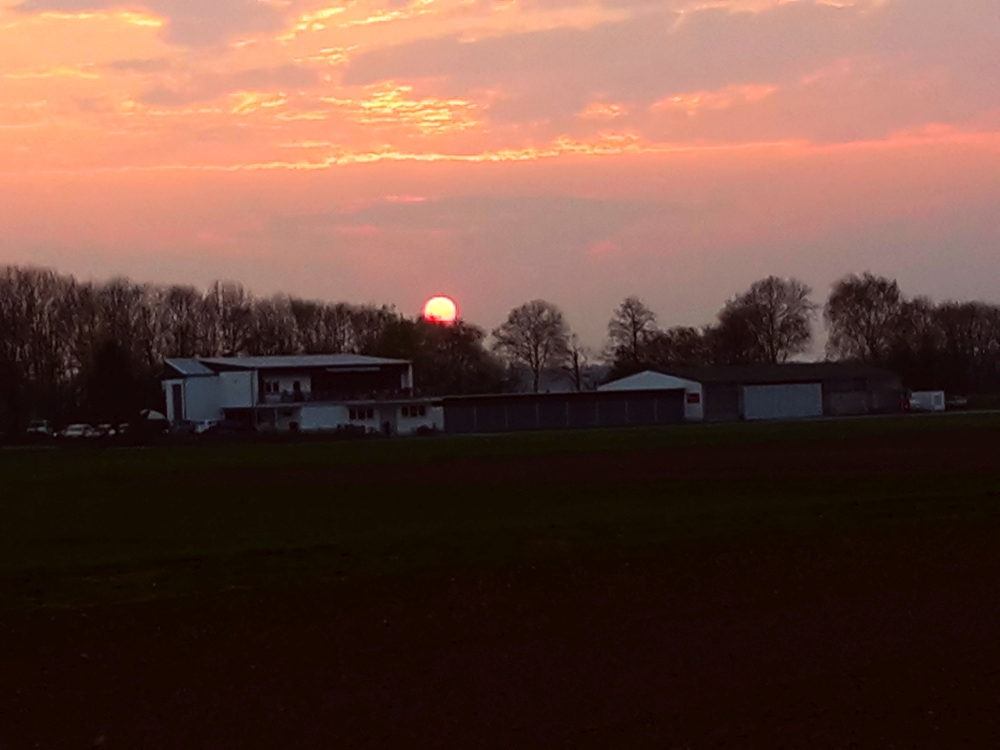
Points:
x=408 y=411
x=275 y=387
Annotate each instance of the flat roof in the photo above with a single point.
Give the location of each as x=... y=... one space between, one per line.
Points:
x=790 y=372
x=298 y=362
x=189 y=367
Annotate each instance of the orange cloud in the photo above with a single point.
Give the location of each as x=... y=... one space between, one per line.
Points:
x=600 y=110
x=131 y=18
x=392 y=104
x=694 y=102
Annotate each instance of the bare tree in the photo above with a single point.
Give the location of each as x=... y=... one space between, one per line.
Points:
x=181 y=322
x=535 y=336
x=864 y=317
x=577 y=359
x=630 y=330
x=368 y=323
x=229 y=318
x=968 y=336
x=768 y=323
x=275 y=331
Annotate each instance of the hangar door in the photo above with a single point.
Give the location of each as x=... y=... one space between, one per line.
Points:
x=793 y=401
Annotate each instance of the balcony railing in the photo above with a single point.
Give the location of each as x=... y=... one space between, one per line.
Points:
x=301 y=397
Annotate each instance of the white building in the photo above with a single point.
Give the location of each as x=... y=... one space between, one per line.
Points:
x=310 y=393
x=649 y=380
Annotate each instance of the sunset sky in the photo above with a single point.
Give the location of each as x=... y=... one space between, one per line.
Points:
x=498 y=151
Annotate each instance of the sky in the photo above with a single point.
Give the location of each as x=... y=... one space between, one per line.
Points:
x=504 y=150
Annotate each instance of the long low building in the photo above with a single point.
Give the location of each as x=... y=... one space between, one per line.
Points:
x=310 y=393
x=775 y=392
x=562 y=411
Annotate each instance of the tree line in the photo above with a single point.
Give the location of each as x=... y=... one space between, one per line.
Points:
x=953 y=346
x=72 y=350
x=79 y=350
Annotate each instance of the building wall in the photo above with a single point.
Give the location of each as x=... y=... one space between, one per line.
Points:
x=168 y=393
x=323 y=417
x=787 y=401
x=320 y=417
x=563 y=411
x=285 y=383
x=202 y=399
x=847 y=403
x=433 y=418
x=239 y=389
x=722 y=402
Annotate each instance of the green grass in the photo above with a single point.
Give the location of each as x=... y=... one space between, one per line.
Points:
x=87 y=526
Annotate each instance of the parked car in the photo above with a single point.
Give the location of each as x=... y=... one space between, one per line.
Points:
x=39 y=428
x=957 y=402
x=77 y=431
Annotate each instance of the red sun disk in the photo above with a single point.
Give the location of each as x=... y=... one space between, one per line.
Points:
x=440 y=309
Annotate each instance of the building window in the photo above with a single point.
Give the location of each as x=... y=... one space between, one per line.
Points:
x=353 y=415
x=423 y=411
x=371 y=414
x=406 y=411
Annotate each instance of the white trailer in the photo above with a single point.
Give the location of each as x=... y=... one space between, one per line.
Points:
x=927 y=401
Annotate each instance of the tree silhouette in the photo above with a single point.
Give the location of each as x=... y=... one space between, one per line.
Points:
x=113 y=390
x=630 y=331
x=768 y=323
x=864 y=317
x=534 y=336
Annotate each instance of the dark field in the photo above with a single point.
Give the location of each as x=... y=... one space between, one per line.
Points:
x=827 y=584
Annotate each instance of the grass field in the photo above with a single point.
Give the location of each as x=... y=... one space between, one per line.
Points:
x=822 y=584
x=85 y=526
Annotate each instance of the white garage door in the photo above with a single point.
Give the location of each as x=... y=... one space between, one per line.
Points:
x=798 y=401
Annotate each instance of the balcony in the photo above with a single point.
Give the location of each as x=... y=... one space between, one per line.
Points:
x=302 y=397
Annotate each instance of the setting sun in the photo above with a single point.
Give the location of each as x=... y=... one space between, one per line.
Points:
x=441 y=310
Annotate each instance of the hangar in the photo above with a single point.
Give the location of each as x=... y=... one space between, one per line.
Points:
x=783 y=391
x=653 y=381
